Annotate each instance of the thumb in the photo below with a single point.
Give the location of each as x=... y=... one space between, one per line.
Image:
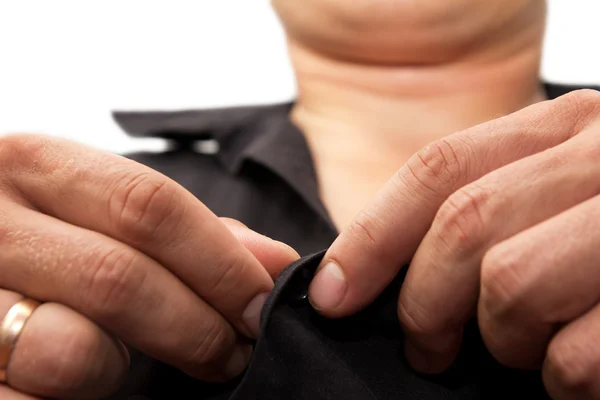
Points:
x=273 y=255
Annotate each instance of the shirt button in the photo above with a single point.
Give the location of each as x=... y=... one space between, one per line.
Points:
x=298 y=288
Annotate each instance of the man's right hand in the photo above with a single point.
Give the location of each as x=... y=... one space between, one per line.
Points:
x=118 y=253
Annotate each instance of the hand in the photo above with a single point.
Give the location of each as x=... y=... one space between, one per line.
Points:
x=118 y=253
x=501 y=222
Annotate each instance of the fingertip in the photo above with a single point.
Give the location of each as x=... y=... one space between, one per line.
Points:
x=275 y=256
x=252 y=314
x=232 y=223
x=417 y=358
x=289 y=250
x=429 y=362
x=239 y=360
x=328 y=289
x=272 y=254
x=229 y=368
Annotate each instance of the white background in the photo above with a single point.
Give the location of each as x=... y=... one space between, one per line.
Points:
x=65 y=64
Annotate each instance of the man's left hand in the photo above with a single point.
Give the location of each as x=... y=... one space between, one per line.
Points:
x=502 y=222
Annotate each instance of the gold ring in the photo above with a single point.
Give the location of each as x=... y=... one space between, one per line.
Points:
x=10 y=329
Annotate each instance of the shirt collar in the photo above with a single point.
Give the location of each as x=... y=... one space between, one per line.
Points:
x=264 y=135
x=233 y=128
x=241 y=132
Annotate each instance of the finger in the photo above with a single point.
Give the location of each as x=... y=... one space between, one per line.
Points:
x=571 y=369
x=7 y=393
x=61 y=354
x=385 y=235
x=273 y=255
x=120 y=288
x=144 y=209
x=537 y=280
x=473 y=219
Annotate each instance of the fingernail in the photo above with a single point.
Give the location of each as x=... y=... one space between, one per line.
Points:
x=416 y=358
x=328 y=288
x=289 y=249
x=238 y=361
x=252 y=313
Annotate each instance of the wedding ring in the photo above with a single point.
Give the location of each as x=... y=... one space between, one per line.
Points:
x=10 y=329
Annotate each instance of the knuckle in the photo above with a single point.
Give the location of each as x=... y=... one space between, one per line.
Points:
x=110 y=281
x=569 y=365
x=502 y=287
x=579 y=105
x=435 y=168
x=362 y=230
x=228 y=276
x=583 y=97
x=141 y=205
x=21 y=149
x=416 y=320
x=460 y=220
x=210 y=345
x=79 y=361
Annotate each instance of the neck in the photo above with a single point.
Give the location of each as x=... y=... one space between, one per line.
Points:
x=401 y=108
x=350 y=111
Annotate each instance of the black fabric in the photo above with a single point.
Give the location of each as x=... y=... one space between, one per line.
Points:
x=263 y=175
x=301 y=355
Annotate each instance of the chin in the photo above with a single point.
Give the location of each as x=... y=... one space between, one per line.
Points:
x=390 y=31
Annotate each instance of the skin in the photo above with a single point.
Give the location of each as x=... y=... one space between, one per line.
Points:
x=494 y=209
x=495 y=215
x=119 y=253
x=506 y=234
x=355 y=100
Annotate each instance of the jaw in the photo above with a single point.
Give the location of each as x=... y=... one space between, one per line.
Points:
x=404 y=31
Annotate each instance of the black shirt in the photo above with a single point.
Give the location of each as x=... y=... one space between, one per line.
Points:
x=262 y=174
